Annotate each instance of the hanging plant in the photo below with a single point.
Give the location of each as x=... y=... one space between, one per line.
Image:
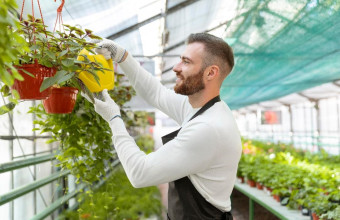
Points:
x=11 y=46
x=53 y=62
x=84 y=138
x=33 y=76
x=60 y=51
x=60 y=100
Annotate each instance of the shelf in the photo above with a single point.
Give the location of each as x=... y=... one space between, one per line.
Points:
x=268 y=202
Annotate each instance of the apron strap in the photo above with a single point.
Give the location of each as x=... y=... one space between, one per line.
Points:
x=172 y=135
x=206 y=106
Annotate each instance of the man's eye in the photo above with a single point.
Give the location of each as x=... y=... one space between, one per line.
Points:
x=186 y=62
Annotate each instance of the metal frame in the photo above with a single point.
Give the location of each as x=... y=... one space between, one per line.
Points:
x=259 y=197
x=5 y=167
x=5 y=198
x=153 y=18
x=36 y=184
x=31 y=187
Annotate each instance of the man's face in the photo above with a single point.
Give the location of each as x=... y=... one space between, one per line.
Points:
x=189 y=70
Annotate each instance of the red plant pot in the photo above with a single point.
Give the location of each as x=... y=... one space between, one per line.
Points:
x=259 y=186
x=28 y=89
x=61 y=100
x=251 y=183
x=315 y=216
x=269 y=189
x=276 y=197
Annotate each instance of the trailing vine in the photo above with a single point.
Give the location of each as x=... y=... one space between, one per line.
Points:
x=85 y=138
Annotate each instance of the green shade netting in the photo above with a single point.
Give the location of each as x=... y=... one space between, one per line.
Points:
x=282 y=47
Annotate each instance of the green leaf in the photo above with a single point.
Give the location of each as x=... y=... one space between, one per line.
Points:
x=18 y=76
x=51 y=55
x=28 y=73
x=88 y=31
x=48 y=82
x=47 y=63
x=7 y=108
x=42 y=38
x=5 y=90
x=67 y=62
x=34 y=47
x=79 y=32
x=86 y=90
x=63 y=53
x=66 y=77
x=92 y=36
x=50 y=141
x=15 y=94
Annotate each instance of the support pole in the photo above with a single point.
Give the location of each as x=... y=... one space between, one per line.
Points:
x=338 y=110
x=35 y=167
x=318 y=124
x=11 y=146
x=251 y=209
x=291 y=131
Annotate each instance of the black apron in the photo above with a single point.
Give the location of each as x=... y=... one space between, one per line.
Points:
x=184 y=201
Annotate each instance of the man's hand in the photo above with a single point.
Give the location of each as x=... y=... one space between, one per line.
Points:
x=108 y=109
x=110 y=49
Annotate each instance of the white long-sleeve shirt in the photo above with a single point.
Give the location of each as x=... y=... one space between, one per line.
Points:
x=207 y=148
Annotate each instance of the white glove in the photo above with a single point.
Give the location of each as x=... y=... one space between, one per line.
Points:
x=108 y=109
x=109 y=49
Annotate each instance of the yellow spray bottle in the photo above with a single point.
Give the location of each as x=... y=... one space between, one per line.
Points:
x=106 y=77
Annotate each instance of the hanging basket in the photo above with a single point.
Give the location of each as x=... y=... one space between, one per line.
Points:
x=61 y=100
x=28 y=89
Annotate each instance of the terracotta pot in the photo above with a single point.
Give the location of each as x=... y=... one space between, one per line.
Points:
x=28 y=89
x=241 y=178
x=276 y=197
x=251 y=183
x=315 y=216
x=61 y=100
x=259 y=186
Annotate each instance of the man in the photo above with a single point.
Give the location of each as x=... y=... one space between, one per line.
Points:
x=200 y=159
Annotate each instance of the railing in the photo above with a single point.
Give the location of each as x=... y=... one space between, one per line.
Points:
x=309 y=141
x=268 y=203
x=18 y=192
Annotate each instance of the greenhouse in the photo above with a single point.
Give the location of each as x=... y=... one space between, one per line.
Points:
x=170 y=109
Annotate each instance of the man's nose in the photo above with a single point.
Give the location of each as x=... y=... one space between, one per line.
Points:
x=176 y=68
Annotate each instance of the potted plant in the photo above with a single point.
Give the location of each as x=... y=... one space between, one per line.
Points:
x=53 y=58
x=61 y=100
x=320 y=206
x=333 y=214
x=12 y=45
x=117 y=199
x=30 y=64
x=84 y=138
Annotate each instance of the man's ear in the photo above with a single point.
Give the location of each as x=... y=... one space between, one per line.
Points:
x=213 y=72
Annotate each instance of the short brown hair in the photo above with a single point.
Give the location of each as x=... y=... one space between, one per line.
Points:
x=218 y=52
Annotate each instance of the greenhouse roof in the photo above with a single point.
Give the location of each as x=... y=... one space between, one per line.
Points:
x=282 y=47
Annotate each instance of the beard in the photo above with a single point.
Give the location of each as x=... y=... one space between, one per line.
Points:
x=191 y=84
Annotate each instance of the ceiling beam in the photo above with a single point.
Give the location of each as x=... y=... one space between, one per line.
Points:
x=165 y=32
x=206 y=31
x=307 y=97
x=183 y=42
x=284 y=103
x=335 y=82
x=153 y=18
